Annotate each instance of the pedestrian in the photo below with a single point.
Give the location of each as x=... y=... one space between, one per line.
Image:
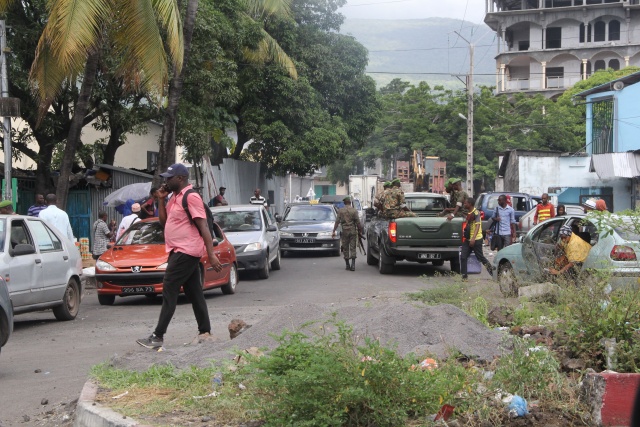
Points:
x=39 y=206
x=601 y=205
x=101 y=235
x=589 y=205
x=57 y=217
x=186 y=241
x=148 y=208
x=6 y=208
x=257 y=199
x=128 y=220
x=575 y=250
x=544 y=210
x=113 y=229
x=505 y=217
x=351 y=230
x=219 y=200
x=472 y=241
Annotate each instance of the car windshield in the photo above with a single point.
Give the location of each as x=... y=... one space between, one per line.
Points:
x=143 y=233
x=519 y=203
x=3 y=228
x=310 y=213
x=238 y=220
x=424 y=204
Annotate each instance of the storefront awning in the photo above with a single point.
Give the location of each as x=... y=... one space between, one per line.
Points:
x=616 y=165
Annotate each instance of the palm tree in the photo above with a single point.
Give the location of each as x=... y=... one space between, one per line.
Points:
x=70 y=43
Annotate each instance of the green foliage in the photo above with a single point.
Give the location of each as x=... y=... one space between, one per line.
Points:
x=331 y=380
x=449 y=293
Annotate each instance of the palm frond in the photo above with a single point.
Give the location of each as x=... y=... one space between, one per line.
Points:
x=47 y=76
x=265 y=8
x=168 y=14
x=5 y=5
x=268 y=50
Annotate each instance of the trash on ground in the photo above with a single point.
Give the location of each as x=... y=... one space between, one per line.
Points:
x=121 y=395
x=444 y=413
x=518 y=407
x=212 y=394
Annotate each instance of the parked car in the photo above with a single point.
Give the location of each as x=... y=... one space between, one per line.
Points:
x=486 y=203
x=526 y=221
x=6 y=314
x=617 y=252
x=136 y=263
x=254 y=236
x=42 y=267
x=307 y=228
x=338 y=202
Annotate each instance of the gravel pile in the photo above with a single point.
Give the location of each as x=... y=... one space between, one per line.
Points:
x=410 y=327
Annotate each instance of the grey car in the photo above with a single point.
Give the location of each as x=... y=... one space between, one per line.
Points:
x=42 y=268
x=253 y=234
x=6 y=314
x=308 y=229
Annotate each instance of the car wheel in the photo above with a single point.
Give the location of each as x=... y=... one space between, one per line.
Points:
x=384 y=267
x=507 y=280
x=70 y=306
x=264 y=272
x=455 y=265
x=106 y=299
x=438 y=263
x=230 y=287
x=275 y=264
x=371 y=260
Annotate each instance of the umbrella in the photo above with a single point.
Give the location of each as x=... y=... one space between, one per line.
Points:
x=136 y=191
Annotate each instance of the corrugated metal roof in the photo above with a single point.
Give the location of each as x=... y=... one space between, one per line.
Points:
x=616 y=165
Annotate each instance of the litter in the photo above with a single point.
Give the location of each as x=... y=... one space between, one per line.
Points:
x=121 y=395
x=518 y=407
x=212 y=394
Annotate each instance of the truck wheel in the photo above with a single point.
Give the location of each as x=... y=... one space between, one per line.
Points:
x=438 y=263
x=371 y=260
x=455 y=265
x=507 y=280
x=383 y=267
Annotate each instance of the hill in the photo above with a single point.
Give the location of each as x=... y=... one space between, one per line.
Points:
x=410 y=49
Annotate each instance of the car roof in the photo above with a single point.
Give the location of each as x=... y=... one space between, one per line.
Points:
x=510 y=193
x=234 y=208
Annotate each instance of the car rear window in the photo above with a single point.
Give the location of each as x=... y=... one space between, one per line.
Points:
x=426 y=204
x=519 y=203
x=238 y=221
x=628 y=232
x=310 y=213
x=143 y=233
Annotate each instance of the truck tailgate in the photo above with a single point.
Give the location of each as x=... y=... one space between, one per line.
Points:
x=429 y=232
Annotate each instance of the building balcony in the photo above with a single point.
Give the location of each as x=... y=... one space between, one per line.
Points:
x=497 y=6
x=552 y=84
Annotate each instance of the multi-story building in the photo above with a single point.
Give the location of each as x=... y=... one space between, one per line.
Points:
x=546 y=46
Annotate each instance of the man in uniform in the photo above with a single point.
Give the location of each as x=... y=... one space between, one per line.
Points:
x=378 y=202
x=458 y=197
x=351 y=228
x=396 y=191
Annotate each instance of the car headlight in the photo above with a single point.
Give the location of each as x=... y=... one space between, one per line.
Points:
x=105 y=266
x=286 y=234
x=253 y=247
x=162 y=266
x=325 y=234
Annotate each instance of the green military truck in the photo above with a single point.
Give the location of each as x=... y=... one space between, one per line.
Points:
x=426 y=238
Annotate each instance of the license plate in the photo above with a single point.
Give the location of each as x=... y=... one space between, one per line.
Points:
x=305 y=240
x=428 y=256
x=138 y=290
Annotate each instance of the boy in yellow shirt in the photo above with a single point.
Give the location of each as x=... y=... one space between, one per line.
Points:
x=472 y=239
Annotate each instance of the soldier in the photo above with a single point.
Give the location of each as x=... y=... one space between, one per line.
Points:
x=457 y=199
x=378 y=202
x=351 y=229
x=395 y=206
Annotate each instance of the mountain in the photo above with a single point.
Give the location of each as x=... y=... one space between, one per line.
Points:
x=411 y=48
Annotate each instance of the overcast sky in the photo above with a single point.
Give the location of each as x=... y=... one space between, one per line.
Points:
x=415 y=9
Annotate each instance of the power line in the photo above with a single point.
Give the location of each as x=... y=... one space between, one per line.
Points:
x=429 y=48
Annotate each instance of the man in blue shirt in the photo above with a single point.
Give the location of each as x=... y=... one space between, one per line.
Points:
x=506 y=228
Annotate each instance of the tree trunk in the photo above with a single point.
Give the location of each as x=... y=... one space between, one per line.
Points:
x=43 y=174
x=73 y=140
x=167 y=151
x=115 y=142
x=242 y=139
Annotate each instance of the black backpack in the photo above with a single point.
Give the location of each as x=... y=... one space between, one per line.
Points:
x=210 y=221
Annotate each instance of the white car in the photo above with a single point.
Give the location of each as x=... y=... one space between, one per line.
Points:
x=42 y=268
x=526 y=221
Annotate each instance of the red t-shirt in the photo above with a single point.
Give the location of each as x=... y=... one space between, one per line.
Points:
x=544 y=212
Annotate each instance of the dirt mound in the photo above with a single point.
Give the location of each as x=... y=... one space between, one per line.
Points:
x=410 y=327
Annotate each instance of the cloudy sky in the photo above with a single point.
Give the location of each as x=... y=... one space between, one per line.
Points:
x=470 y=10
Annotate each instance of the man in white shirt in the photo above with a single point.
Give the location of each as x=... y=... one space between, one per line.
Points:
x=129 y=219
x=257 y=199
x=57 y=217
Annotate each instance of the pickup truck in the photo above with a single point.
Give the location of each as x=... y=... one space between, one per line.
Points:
x=426 y=238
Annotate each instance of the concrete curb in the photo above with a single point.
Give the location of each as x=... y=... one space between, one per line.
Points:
x=611 y=396
x=89 y=413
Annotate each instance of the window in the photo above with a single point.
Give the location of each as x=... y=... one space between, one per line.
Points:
x=602 y=126
x=523 y=45
x=548 y=234
x=599 y=31
x=614 y=30
x=555 y=77
x=614 y=64
x=45 y=238
x=19 y=234
x=152 y=160
x=554 y=38
x=600 y=65
x=582 y=33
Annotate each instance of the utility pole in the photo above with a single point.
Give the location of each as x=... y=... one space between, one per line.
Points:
x=6 y=123
x=469 y=117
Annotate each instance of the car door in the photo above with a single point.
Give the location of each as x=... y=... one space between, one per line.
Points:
x=23 y=273
x=539 y=249
x=271 y=236
x=55 y=260
x=223 y=252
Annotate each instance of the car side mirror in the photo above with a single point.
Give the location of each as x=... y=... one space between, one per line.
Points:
x=214 y=242
x=22 y=249
x=272 y=227
x=278 y=218
x=109 y=245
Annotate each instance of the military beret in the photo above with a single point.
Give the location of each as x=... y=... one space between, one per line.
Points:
x=452 y=181
x=346 y=199
x=5 y=203
x=387 y=184
x=395 y=181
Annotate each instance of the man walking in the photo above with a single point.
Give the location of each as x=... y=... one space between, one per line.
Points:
x=257 y=199
x=101 y=235
x=505 y=216
x=351 y=228
x=472 y=241
x=544 y=210
x=219 y=200
x=57 y=217
x=186 y=241
x=39 y=206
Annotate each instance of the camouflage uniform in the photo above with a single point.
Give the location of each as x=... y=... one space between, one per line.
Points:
x=394 y=204
x=459 y=197
x=350 y=222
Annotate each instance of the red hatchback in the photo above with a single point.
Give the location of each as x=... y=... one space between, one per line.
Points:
x=136 y=263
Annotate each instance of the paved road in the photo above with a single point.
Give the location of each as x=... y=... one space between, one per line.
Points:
x=47 y=359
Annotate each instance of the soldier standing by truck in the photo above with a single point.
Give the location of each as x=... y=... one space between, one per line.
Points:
x=457 y=199
x=351 y=228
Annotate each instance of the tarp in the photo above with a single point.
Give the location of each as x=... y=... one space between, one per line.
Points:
x=137 y=192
